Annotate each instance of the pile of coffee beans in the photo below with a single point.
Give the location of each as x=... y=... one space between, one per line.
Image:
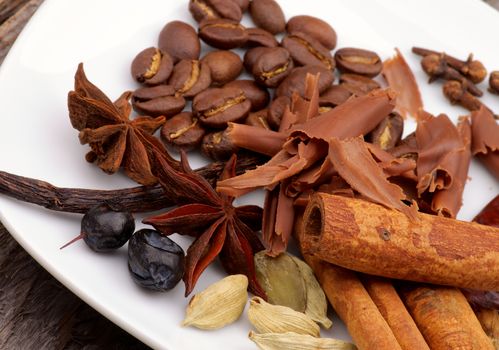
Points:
x=173 y=72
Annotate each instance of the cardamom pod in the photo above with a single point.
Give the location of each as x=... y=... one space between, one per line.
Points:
x=268 y=318
x=281 y=280
x=294 y=341
x=316 y=299
x=218 y=305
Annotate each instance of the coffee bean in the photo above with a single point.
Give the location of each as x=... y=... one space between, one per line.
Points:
x=272 y=67
x=296 y=80
x=260 y=37
x=224 y=65
x=334 y=96
x=358 y=61
x=218 y=146
x=157 y=100
x=358 y=85
x=216 y=107
x=258 y=119
x=210 y=9
x=180 y=40
x=305 y=50
x=388 y=133
x=259 y=97
x=223 y=33
x=252 y=55
x=182 y=131
x=276 y=111
x=243 y=4
x=315 y=28
x=190 y=77
x=152 y=67
x=268 y=15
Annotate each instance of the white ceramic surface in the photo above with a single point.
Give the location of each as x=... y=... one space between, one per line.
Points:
x=37 y=140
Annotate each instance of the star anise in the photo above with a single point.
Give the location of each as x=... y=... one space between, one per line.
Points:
x=220 y=228
x=115 y=140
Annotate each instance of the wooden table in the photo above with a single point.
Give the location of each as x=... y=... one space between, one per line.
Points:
x=36 y=311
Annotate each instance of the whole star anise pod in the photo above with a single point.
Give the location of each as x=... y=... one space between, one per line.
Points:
x=220 y=228
x=115 y=140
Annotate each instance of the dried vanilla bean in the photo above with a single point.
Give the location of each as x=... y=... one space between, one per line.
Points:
x=79 y=200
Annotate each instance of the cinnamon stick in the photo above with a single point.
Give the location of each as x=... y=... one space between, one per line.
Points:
x=445 y=318
x=369 y=238
x=352 y=303
x=489 y=319
x=395 y=313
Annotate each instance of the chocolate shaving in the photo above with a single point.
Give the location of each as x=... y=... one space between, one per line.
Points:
x=255 y=139
x=400 y=78
x=438 y=142
x=485 y=139
x=355 y=164
x=447 y=202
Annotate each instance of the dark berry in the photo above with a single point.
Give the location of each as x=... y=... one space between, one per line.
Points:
x=155 y=261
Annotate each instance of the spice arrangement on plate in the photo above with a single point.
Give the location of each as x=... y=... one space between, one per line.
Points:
x=373 y=213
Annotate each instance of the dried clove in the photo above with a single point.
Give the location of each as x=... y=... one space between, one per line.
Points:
x=471 y=69
x=494 y=82
x=457 y=94
x=437 y=68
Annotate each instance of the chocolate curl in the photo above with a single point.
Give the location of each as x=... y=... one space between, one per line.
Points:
x=256 y=139
x=400 y=78
x=485 y=139
x=355 y=117
x=447 y=202
x=354 y=163
x=440 y=147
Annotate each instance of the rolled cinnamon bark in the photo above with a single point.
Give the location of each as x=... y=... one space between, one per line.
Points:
x=395 y=313
x=489 y=319
x=354 y=306
x=369 y=238
x=352 y=303
x=445 y=318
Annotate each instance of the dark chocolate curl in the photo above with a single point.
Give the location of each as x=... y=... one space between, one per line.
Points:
x=485 y=139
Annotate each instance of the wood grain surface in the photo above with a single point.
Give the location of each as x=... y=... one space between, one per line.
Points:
x=36 y=311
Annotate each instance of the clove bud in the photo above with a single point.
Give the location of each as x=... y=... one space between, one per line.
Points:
x=472 y=69
x=457 y=94
x=494 y=82
x=437 y=68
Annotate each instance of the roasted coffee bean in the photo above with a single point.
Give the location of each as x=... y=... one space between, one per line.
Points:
x=306 y=50
x=209 y=9
x=260 y=37
x=388 y=133
x=296 y=80
x=224 y=66
x=258 y=119
x=216 y=107
x=223 y=33
x=258 y=96
x=183 y=131
x=272 y=67
x=157 y=100
x=152 y=67
x=190 y=77
x=180 y=40
x=357 y=84
x=243 y=4
x=218 y=146
x=334 y=96
x=276 y=111
x=494 y=82
x=315 y=28
x=268 y=15
x=252 y=55
x=358 y=61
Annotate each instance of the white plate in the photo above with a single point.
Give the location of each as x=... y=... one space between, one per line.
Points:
x=37 y=140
